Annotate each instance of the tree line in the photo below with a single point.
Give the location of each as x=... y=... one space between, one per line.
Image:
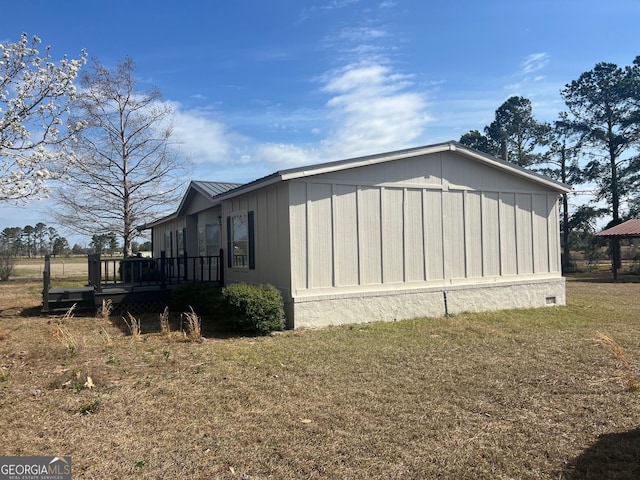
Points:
x=39 y=240
x=593 y=144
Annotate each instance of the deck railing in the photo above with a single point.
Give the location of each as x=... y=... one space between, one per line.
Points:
x=163 y=271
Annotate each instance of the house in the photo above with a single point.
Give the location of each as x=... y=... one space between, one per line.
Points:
x=426 y=231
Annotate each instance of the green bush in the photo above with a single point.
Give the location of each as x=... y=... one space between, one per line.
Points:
x=254 y=308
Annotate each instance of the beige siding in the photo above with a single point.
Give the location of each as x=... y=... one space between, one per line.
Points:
x=161 y=242
x=491 y=234
x=434 y=247
x=540 y=226
x=453 y=221
x=524 y=233
x=320 y=243
x=414 y=244
x=392 y=235
x=474 y=222
x=345 y=240
x=298 y=236
x=349 y=234
x=271 y=237
x=553 y=226
x=508 y=240
x=369 y=236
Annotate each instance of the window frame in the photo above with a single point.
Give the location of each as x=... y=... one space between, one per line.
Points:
x=248 y=241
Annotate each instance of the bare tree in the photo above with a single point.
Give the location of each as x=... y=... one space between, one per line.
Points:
x=126 y=171
x=34 y=97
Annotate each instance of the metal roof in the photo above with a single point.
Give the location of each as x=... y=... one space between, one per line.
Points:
x=214 y=188
x=320 y=168
x=630 y=228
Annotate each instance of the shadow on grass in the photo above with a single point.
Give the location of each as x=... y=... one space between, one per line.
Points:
x=612 y=456
x=603 y=277
x=150 y=324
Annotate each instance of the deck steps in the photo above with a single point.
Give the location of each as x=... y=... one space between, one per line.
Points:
x=61 y=300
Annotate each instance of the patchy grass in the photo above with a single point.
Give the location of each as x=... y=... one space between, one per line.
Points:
x=526 y=394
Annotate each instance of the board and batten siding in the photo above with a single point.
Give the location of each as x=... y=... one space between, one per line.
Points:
x=421 y=231
x=270 y=207
x=164 y=237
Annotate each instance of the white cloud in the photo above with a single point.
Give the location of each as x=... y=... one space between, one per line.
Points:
x=534 y=62
x=361 y=34
x=372 y=109
x=205 y=140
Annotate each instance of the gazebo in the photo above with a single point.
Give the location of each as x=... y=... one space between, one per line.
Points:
x=628 y=229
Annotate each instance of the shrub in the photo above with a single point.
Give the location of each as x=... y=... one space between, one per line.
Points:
x=254 y=308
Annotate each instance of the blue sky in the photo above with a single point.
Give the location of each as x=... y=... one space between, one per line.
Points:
x=259 y=86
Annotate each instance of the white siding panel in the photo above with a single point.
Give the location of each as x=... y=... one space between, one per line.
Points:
x=298 y=235
x=433 y=234
x=454 y=246
x=345 y=235
x=320 y=235
x=473 y=233
x=490 y=234
x=370 y=236
x=540 y=234
x=414 y=236
x=508 y=245
x=524 y=233
x=554 y=233
x=392 y=235
x=423 y=170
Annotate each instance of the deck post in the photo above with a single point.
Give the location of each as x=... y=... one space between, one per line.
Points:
x=46 y=283
x=95 y=274
x=163 y=269
x=221 y=268
x=185 y=261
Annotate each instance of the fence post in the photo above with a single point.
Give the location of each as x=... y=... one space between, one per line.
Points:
x=46 y=283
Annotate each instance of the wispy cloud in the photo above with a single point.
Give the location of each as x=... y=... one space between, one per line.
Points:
x=534 y=62
x=372 y=108
x=205 y=140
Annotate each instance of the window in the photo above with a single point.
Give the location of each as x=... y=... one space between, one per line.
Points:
x=168 y=243
x=212 y=240
x=180 y=242
x=240 y=241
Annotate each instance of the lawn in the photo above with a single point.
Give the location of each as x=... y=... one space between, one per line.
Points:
x=521 y=394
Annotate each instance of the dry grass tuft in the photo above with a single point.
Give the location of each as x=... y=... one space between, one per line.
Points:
x=629 y=375
x=105 y=310
x=106 y=337
x=193 y=326
x=164 y=322
x=67 y=338
x=134 y=326
x=68 y=315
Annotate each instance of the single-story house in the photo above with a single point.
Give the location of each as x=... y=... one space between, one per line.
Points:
x=426 y=231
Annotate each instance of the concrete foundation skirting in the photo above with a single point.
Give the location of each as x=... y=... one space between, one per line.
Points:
x=319 y=311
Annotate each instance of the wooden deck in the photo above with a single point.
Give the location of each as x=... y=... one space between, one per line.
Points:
x=128 y=284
